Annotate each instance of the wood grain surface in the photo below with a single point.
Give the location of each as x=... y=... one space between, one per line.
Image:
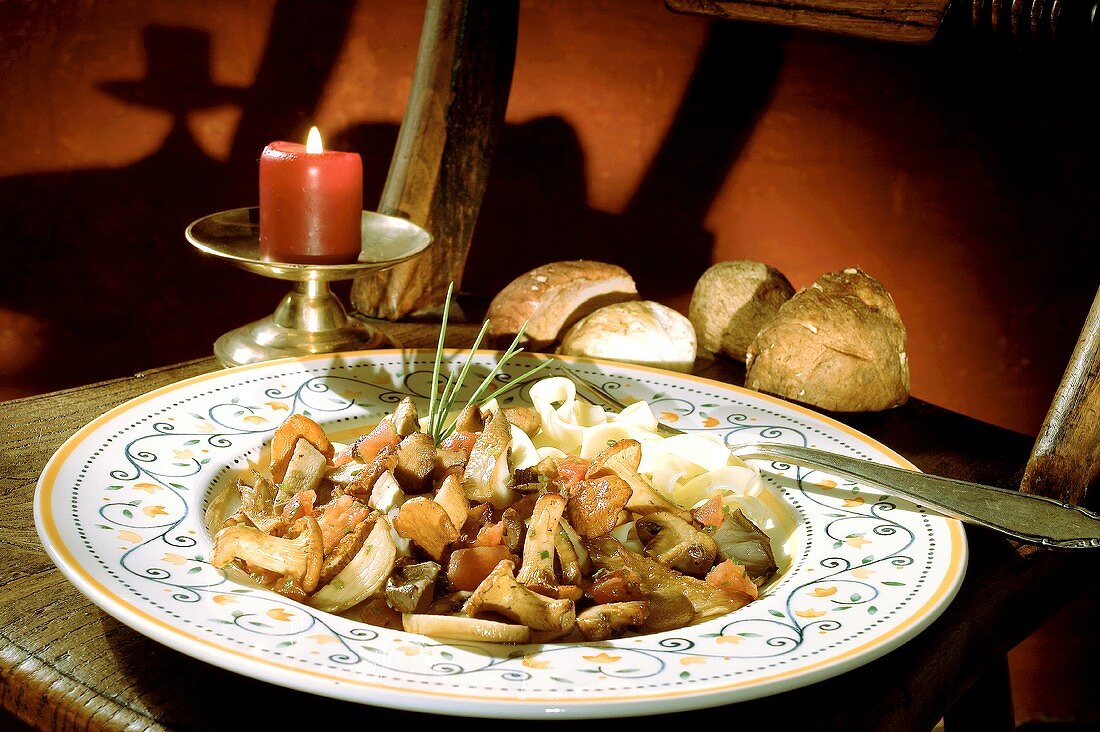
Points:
x=907 y=21
x=65 y=665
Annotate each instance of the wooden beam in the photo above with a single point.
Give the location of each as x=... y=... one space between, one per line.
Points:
x=909 y=21
x=440 y=166
x=1066 y=458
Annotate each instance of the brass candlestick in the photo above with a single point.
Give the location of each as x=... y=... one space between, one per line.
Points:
x=310 y=319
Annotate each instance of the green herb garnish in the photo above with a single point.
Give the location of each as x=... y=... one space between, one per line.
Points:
x=439 y=408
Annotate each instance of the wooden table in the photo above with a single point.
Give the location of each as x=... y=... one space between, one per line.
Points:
x=66 y=665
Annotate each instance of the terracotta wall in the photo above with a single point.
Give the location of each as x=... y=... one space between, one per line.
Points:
x=962 y=178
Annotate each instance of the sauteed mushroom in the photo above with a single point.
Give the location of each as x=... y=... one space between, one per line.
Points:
x=677 y=543
x=537 y=572
x=611 y=619
x=426 y=523
x=458 y=627
x=559 y=558
x=500 y=593
x=622 y=459
x=487 y=474
x=299 y=557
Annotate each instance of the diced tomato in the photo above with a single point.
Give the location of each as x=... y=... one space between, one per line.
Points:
x=298 y=506
x=460 y=442
x=618 y=586
x=710 y=513
x=338 y=517
x=367 y=447
x=731 y=578
x=468 y=567
x=572 y=469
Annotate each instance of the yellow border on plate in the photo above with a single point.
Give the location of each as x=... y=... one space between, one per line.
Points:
x=49 y=476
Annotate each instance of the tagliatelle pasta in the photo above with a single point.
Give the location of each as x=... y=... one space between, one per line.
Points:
x=686 y=468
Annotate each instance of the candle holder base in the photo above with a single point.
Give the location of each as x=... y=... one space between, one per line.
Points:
x=265 y=340
x=310 y=319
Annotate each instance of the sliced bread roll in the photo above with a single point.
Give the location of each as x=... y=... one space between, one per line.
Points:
x=642 y=332
x=553 y=297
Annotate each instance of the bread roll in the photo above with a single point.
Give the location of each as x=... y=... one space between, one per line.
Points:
x=553 y=297
x=731 y=303
x=839 y=344
x=642 y=332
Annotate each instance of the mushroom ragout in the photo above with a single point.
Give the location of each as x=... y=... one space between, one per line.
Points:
x=556 y=522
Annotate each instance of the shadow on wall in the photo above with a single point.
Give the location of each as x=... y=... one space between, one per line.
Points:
x=100 y=282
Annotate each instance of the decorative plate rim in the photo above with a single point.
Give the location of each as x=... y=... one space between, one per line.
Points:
x=293 y=674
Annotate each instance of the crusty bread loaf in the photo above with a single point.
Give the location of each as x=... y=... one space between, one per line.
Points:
x=731 y=303
x=553 y=297
x=838 y=344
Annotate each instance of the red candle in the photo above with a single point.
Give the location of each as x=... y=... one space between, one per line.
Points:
x=311 y=203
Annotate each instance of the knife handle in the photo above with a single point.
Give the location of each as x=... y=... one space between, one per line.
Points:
x=1028 y=518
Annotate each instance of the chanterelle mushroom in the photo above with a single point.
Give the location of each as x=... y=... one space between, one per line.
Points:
x=470 y=420
x=595 y=504
x=500 y=593
x=285 y=440
x=453 y=499
x=300 y=557
x=537 y=571
x=571 y=556
x=610 y=619
x=258 y=504
x=459 y=627
x=487 y=473
x=622 y=459
x=426 y=523
x=526 y=418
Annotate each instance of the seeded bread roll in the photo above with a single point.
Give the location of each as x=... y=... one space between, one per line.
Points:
x=553 y=297
x=642 y=332
x=838 y=344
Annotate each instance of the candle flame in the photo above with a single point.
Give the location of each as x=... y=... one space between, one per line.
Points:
x=313 y=142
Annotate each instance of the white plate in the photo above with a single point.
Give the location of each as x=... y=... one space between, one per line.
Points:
x=120 y=510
